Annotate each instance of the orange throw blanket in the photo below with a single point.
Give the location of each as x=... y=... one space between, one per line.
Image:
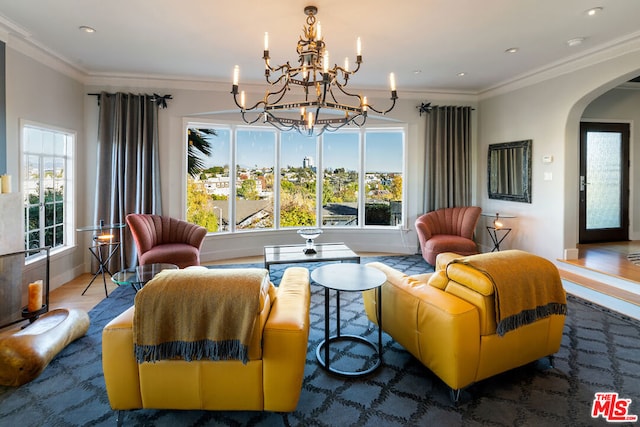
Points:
x=197 y=314
x=527 y=287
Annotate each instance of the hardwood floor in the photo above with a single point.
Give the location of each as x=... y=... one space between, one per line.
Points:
x=607 y=258
x=610 y=258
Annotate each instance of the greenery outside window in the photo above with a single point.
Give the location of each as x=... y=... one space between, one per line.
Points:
x=285 y=180
x=47 y=172
x=340 y=180
x=255 y=157
x=298 y=176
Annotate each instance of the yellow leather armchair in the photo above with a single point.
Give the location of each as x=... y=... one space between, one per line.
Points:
x=447 y=319
x=271 y=380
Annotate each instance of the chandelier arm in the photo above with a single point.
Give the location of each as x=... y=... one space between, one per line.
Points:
x=346 y=73
x=242 y=108
x=284 y=74
x=280 y=93
x=341 y=88
x=249 y=122
x=278 y=124
x=393 y=104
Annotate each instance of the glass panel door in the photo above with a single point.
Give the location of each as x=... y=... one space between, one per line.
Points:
x=604 y=182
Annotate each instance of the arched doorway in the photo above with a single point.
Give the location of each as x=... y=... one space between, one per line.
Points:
x=592 y=107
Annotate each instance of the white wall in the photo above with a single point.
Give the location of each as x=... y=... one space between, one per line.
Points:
x=549 y=112
x=623 y=105
x=40 y=94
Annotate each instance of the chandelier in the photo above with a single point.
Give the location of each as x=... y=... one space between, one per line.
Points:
x=317 y=99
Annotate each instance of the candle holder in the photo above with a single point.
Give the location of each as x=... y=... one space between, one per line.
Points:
x=32 y=316
x=309 y=234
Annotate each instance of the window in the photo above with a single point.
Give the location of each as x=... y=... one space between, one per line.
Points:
x=298 y=176
x=348 y=178
x=340 y=180
x=209 y=183
x=255 y=157
x=47 y=186
x=383 y=159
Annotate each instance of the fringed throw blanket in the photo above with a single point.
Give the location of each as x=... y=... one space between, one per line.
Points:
x=197 y=314
x=527 y=287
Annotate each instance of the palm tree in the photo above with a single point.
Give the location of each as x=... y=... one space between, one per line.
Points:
x=198 y=144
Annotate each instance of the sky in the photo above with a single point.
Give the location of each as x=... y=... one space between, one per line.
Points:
x=257 y=148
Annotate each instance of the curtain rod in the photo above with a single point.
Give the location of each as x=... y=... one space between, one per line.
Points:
x=426 y=107
x=160 y=100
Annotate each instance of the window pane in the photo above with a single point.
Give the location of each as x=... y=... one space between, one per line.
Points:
x=209 y=186
x=255 y=162
x=33 y=240
x=48 y=143
x=297 y=180
x=604 y=173
x=59 y=146
x=47 y=158
x=32 y=140
x=340 y=163
x=383 y=180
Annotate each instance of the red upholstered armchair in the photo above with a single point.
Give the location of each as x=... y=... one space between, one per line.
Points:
x=165 y=239
x=448 y=230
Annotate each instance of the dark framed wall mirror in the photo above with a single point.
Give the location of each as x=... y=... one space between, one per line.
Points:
x=509 y=171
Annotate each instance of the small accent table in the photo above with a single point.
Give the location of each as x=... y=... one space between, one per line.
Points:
x=138 y=276
x=103 y=249
x=292 y=254
x=495 y=238
x=348 y=277
x=496 y=228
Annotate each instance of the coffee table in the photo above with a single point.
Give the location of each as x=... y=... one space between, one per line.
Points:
x=348 y=277
x=138 y=276
x=291 y=254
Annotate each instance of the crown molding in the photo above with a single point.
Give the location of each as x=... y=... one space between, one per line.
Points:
x=594 y=56
x=20 y=39
x=46 y=56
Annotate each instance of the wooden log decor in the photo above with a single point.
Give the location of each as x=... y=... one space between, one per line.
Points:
x=25 y=354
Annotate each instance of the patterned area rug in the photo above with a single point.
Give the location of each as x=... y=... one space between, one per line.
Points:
x=634 y=258
x=599 y=353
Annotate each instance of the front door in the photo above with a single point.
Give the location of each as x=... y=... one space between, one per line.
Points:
x=604 y=182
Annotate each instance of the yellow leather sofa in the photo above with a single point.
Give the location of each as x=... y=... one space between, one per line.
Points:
x=447 y=319
x=271 y=380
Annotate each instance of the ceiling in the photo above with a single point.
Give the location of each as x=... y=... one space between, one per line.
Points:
x=427 y=43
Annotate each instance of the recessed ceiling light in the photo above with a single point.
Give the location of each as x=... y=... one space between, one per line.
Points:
x=593 y=11
x=417 y=71
x=575 y=42
x=87 y=29
x=511 y=50
x=462 y=74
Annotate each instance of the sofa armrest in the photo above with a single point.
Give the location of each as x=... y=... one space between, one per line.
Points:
x=285 y=339
x=423 y=231
x=195 y=235
x=438 y=328
x=119 y=364
x=448 y=330
x=443 y=259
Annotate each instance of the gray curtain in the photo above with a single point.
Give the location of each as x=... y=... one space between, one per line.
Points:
x=128 y=177
x=447 y=178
